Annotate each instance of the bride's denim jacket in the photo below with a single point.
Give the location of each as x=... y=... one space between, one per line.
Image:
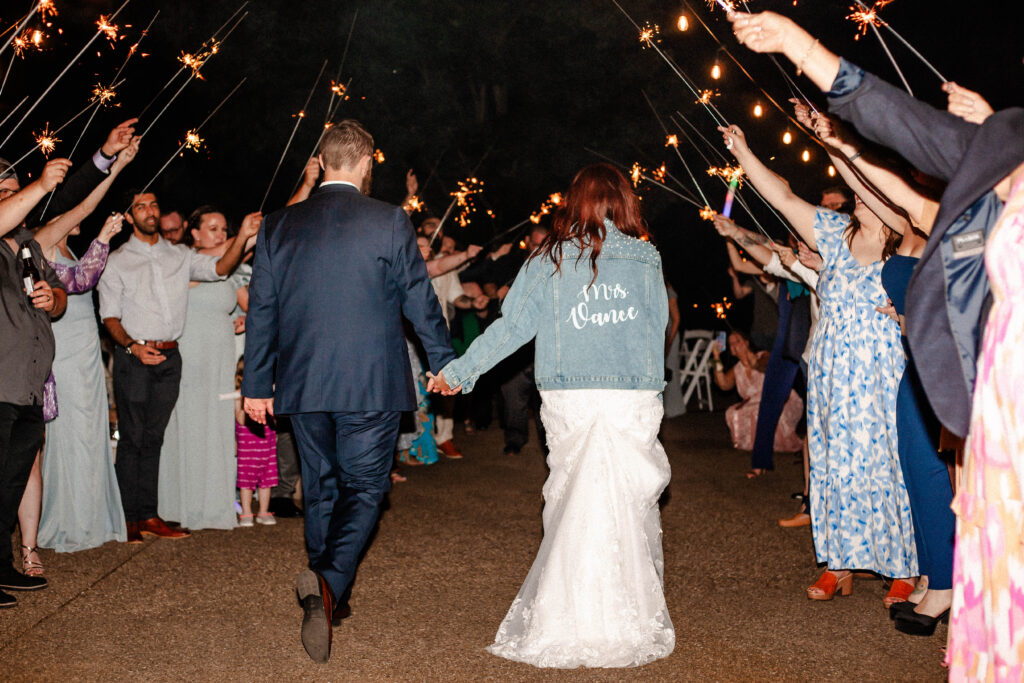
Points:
x=605 y=334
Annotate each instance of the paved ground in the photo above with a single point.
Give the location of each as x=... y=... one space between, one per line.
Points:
x=452 y=550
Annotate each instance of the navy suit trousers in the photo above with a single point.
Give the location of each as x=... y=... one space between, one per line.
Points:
x=346 y=462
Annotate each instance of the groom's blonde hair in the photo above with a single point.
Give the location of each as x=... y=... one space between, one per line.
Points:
x=345 y=144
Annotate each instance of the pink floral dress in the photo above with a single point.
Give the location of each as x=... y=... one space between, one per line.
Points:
x=986 y=634
x=742 y=417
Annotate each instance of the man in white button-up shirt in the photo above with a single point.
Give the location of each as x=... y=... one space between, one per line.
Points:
x=143 y=302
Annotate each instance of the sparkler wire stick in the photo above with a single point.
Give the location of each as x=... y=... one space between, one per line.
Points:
x=16 y=108
x=211 y=39
x=10 y=65
x=708 y=105
x=298 y=120
x=319 y=139
x=61 y=75
x=15 y=32
x=182 y=146
x=678 y=153
x=53 y=134
x=341 y=67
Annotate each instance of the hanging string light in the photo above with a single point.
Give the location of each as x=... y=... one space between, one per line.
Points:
x=758 y=111
x=787 y=138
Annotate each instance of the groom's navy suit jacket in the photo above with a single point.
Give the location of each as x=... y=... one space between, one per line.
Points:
x=332 y=278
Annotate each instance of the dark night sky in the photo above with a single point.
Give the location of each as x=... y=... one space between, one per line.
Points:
x=441 y=82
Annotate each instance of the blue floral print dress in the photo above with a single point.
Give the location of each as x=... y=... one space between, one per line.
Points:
x=860 y=512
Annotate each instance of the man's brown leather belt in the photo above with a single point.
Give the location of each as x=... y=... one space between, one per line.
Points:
x=159 y=345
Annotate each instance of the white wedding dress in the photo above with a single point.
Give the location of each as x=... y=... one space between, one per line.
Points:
x=594 y=594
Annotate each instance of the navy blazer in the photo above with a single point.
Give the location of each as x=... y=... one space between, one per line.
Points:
x=332 y=278
x=949 y=288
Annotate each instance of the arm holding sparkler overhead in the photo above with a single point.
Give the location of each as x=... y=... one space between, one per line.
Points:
x=774 y=188
x=967 y=104
x=79 y=184
x=15 y=208
x=309 y=178
x=233 y=256
x=931 y=139
x=57 y=228
x=755 y=245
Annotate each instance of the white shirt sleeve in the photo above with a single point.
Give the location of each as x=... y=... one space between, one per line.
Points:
x=797 y=272
x=203 y=267
x=110 y=288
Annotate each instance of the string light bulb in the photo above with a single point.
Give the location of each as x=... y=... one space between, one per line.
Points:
x=831 y=171
x=787 y=138
x=683 y=23
x=716 y=71
x=806 y=156
x=758 y=111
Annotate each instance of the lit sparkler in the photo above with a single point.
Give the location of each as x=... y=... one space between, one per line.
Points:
x=721 y=307
x=414 y=204
x=546 y=208
x=192 y=140
x=378 y=156
x=30 y=39
x=463 y=198
x=635 y=173
x=46 y=141
x=338 y=89
x=707 y=213
x=659 y=173
x=728 y=174
x=704 y=96
x=672 y=141
x=103 y=94
x=108 y=28
x=649 y=34
x=728 y=5
x=866 y=17
x=46 y=9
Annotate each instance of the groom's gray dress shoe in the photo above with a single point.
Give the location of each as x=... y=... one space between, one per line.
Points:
x=317 y=605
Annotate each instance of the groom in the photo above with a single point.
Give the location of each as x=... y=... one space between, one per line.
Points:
x=332 y=278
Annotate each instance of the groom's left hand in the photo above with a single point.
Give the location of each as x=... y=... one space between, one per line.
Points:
x=438 y=385
x=258 y=409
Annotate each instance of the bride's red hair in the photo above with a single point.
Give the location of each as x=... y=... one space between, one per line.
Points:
x=599 y=191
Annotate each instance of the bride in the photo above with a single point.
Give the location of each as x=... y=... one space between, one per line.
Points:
x=594 y=298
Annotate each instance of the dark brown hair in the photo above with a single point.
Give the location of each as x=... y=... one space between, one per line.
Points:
x=599 y=191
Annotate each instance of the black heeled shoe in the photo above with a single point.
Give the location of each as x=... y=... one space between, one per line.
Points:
x=917 y=624
x=898 y=608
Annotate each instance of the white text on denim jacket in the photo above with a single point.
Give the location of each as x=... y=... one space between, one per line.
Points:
x=589 y=312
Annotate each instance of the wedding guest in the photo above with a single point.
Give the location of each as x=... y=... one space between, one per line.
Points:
x=27 y=347
x=144 y=294
x=986 y=635
x=257 y=461
x=172 y=226
x=600 y=386
x=763 y=290
x=282 y=496
x=80 y=506
x=197 y=465
x=747 y=376
x=860 y=512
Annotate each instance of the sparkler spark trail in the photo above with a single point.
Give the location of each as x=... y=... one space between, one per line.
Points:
x=464 y=199
x=103 y=94
x=707 y=213
x=31 y=38
x=866 y=16
x=704 y=96
x=298 y=121
x=192 y=132
x=378 y=156
x=46 y=141
x=24 y=22
x=47 y=9
x=649 y=34
x=61 y=74
x=672 y=141
x=108 y=28
x=193 y=141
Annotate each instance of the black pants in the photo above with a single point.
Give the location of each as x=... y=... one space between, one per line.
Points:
x=519 y=393
x=146 y=395
x=287 y=460
x=21 y=435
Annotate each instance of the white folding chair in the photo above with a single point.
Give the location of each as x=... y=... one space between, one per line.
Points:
x=696 y=373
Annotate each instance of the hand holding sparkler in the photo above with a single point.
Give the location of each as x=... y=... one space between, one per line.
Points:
x=735 y=140
x=811 y=259
x=119 y=138
x=311 y=174
x=967 y=104
x=53 y=174
x=768 y=32
x=126 y=155
x=786 y=255
x=725 y=226
x=111 y=227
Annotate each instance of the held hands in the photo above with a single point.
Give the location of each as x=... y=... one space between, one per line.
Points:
x=111 y=227
x=761 y=32
x=438 y=385
x=54 y=173
x=119 y=138
x=258 y=409
x=967 y=104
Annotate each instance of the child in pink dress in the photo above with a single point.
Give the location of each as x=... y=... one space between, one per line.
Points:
x=257 y=461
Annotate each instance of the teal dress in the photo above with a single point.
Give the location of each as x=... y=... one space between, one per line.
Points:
x=81 y=502
x=197 y=463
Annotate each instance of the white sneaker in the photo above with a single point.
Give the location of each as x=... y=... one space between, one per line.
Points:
x=244 y=520
x=265 y=518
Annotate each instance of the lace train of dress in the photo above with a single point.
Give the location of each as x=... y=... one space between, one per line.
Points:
x=594 y=595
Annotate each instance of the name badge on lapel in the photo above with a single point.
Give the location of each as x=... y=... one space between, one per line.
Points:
x=969 y=244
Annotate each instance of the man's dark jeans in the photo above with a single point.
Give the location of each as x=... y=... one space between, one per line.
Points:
x=21 y=435
x=146 y=395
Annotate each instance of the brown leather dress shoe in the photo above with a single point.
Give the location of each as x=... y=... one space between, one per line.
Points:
x=318 y=608
x=154 y=526
x=133 y=533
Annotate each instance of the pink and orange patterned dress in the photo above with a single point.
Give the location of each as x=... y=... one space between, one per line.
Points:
x=986 y=633
x=742 y=417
